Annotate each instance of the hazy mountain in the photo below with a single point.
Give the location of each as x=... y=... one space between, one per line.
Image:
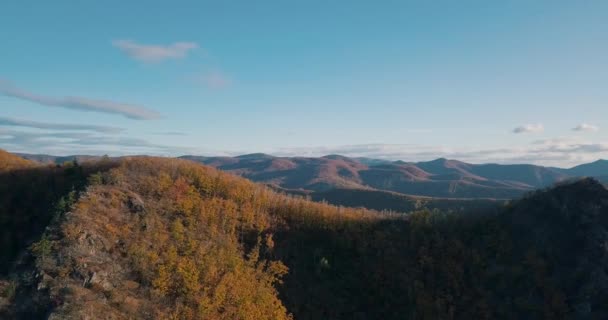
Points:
x=593 y=169
x=443 y=178
x=291 y=173
x=45 y=158
x=437 y=178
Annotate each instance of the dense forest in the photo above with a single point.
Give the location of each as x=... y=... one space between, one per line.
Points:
x=154 y=238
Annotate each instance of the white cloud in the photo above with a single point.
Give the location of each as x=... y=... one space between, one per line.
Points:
x=154 y=53
x=81 y=104
x=57 y=126
x=529 y=128
x=586 y=127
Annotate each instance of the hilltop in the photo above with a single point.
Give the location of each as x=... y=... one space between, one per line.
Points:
x=148 y=238
x=159 y=238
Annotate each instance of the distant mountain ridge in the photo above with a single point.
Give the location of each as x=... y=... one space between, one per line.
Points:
x=437 y=178
x=444 y=178
x=50 y=159
x=594 y=169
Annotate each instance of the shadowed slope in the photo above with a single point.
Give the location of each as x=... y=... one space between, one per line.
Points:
x=542 y=258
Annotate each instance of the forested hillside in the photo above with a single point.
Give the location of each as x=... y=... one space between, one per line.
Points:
x=543 y=257
x=152 y=238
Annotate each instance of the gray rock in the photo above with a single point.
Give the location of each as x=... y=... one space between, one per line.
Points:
x=135 y=203
x=99 y=278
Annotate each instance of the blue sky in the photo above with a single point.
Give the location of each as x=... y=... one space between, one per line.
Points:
x=479 y=81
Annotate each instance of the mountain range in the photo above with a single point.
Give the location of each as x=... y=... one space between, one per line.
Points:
x=437 y=178
x=440 y=178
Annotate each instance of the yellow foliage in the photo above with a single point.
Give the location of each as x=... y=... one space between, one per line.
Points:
x=162 y=281
x=187 y=251
x=10 y=162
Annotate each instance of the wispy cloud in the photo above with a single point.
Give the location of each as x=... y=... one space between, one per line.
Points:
x=216 y=80
x=80 y=104
x=170 y=133
x=529 y=128
x=586 y=127
x=154 y=53
x=57 y=126
x=82 y=143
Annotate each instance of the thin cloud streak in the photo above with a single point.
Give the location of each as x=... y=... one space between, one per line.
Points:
x=586 y=127
x=57 y=126
x=170 y=133
x=154 y=53
x=81 y=104
x=82 y=143
x=529 y=128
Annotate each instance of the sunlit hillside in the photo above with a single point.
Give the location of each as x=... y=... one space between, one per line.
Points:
x=9 y=161
x=152 y=238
